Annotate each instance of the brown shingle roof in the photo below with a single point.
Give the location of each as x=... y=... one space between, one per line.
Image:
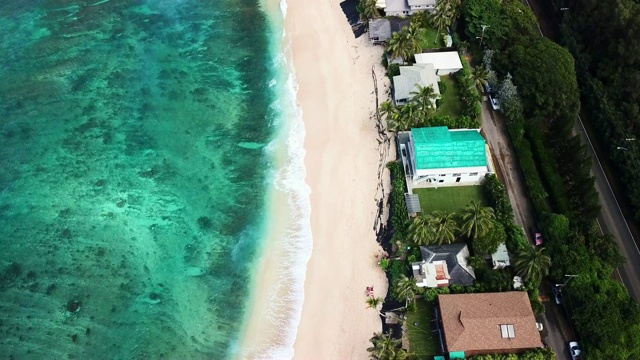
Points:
x=471 y=322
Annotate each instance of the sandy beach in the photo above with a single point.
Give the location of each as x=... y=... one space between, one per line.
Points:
x=336 y=95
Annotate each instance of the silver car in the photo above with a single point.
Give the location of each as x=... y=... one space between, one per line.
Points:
x=574 y=350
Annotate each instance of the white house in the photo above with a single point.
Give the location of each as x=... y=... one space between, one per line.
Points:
x=438 y=156
x=405 y=7
x=409 y=80
x=444 y=62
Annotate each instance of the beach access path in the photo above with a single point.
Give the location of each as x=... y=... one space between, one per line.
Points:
x=336 y=93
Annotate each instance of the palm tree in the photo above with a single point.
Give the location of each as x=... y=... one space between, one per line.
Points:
x=480 y=77
x=405 y=289
x=420 y=230
x=476 y=220
x=532 y=264
x=375 y=303
x=442 y=17
x=404 y=43
x=410 y=115
x=368 y=10
x=391 y=113
x=400 y=123
x=384 y=346
x=424 y=97
x=445 y=226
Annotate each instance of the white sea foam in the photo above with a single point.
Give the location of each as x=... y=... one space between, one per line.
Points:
x=288 y=291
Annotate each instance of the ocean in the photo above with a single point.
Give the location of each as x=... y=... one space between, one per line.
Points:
x=141 y=143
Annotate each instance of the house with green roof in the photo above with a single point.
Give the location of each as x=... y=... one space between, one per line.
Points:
x=439 y=156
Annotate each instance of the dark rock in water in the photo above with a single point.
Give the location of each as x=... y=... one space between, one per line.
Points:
x=204 y=222
x=13 y=271
x=154 y=296
x=88 y=331
x=121 y=203
x=74 y=337
x=100 y=183
x=50 y=289
x=73 y=306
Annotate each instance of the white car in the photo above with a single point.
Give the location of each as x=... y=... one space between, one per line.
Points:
x=495 y=104
x=574 y=350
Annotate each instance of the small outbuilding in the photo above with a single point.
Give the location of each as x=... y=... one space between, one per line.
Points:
x=443 y=62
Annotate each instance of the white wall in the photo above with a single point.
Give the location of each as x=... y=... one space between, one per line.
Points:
x=451 y=178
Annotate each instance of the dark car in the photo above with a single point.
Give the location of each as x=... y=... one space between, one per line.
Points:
x=557 y=293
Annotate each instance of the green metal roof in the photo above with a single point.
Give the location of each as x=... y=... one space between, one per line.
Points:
x=439 y=148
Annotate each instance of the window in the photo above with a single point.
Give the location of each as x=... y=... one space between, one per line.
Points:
x=473 y=174
x=456 y=175
x=507 y=331
x=443 y=174
x=440 y=181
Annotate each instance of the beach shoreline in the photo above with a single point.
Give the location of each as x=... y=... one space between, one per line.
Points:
x=332 y=74
x=336 y=93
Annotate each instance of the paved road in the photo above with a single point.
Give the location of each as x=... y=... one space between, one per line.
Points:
x=557 y=329
x=612 y=221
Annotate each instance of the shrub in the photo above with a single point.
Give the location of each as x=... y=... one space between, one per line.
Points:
x=443 y=87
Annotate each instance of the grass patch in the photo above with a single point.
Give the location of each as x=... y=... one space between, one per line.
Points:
x=422 y=341
x=450 y=199
x=427 y=38
x=451 y=103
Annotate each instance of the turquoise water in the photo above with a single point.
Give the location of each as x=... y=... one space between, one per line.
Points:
x=133 y=181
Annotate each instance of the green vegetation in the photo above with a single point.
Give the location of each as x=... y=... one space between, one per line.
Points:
x=449 y=199
x=450 y=103
x=422 y=341
x=538 y=354
x=540 y=103
x=427 y=39
x=386 y=348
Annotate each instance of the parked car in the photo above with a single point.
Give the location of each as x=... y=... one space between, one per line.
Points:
x=537 y=236
x=574 y=350
x=488 y=88
x=495 y=104
x=557 y=293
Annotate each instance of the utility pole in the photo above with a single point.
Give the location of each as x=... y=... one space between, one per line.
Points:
x=569 y=278
x=482 y=35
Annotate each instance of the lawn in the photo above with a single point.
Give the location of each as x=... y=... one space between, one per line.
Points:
x=427 y=39
x=451 y=104
x=450 y=199
x=423 y=342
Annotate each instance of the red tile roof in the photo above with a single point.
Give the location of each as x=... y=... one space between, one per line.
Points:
x=472 y=322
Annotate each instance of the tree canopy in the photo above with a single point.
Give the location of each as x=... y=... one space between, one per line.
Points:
x=544 y=74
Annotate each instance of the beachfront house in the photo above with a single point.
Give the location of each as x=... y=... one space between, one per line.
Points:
x=488 y=323
x=410 y=80
x=438 y=156
x=405 y=7
x=443 y=265
x=444 y=63
x=382 y=29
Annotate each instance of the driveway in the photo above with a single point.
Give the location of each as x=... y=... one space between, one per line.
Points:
x=557 y=330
